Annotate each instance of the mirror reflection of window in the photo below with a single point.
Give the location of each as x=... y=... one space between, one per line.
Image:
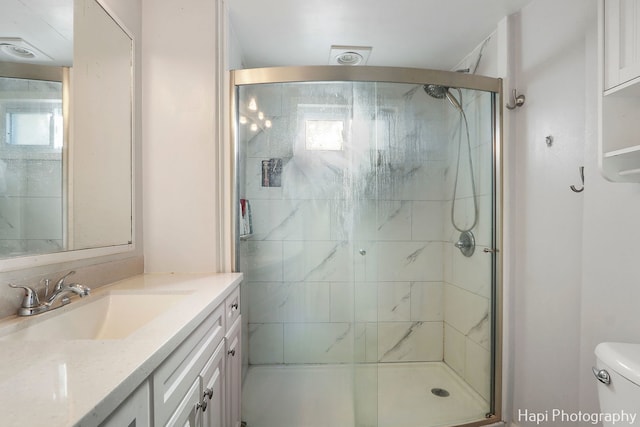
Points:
x=31 y=141
x=35 y=124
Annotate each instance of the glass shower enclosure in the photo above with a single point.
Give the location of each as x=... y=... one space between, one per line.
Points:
x=368 y=232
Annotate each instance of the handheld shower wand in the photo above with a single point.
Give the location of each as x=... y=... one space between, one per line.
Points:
x=441 y=92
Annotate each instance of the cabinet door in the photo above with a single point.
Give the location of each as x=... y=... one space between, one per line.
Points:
x=213 y=393
x=186 y=415
x=622 y=41
x=233 y=377
x=133 y=412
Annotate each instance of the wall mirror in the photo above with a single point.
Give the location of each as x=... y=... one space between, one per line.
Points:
x=66 y=126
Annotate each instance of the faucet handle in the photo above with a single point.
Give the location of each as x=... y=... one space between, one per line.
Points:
x=61 y=280
x=30 y=299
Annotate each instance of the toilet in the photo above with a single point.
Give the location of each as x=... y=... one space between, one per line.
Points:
x=617 y=373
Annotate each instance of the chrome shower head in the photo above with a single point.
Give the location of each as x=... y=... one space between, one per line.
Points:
x=436 y=91
x=441 y=92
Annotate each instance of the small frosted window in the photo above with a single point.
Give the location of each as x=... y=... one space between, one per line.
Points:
x=324 y=134
x=34 y=128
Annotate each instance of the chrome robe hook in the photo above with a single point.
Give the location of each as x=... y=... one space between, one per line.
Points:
x=581 y=189
x=518 y=100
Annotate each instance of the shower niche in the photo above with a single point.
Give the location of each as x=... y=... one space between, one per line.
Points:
x=359 y=303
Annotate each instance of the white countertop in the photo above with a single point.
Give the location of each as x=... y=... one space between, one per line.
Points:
x=79 y=382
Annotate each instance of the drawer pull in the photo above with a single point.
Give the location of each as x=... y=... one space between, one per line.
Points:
x=232 y=352
x=234 y=306
x=208 y=393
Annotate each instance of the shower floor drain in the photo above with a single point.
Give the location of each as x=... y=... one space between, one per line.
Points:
x=440 y=392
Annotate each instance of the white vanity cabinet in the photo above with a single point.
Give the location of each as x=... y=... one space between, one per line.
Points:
x=213 y=393
x=198 y=385
x=133 y=412
x=178 y=376
x=233 y=375
x=203 y=405
x=186 y=414
x=621 y=42
x=619 y=90
x=172 y=365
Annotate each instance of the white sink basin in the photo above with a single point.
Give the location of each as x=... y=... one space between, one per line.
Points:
x=106 y=317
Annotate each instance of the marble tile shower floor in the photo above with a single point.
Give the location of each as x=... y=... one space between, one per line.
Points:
x=383 y=395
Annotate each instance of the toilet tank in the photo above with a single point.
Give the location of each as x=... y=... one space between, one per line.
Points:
x=618 y=364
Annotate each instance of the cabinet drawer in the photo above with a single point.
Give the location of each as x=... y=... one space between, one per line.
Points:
x=172 y=380
x=232 y=307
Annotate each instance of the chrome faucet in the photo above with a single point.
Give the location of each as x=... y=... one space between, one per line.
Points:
x=59 y=296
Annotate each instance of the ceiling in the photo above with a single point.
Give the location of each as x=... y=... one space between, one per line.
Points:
x=46 y=25
x=433 y=34
x=404 y=33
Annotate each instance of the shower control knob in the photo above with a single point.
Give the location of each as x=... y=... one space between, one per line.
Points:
x=466 y=243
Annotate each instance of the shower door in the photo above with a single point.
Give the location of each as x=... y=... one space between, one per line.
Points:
x=361 y=311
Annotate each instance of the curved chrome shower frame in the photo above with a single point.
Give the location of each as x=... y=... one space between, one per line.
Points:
x=416 y=76
x=328 y=73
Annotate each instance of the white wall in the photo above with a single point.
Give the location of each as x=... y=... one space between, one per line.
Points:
x=550 y=70
x=610 y=287
x=180 y=138
x=575 y=259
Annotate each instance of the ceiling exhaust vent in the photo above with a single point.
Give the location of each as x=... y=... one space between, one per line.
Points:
x=17 y=49
x=349 y=55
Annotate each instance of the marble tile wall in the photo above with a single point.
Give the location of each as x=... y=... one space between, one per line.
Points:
x=351 y=258
x=30 y=181
x=26 y=201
